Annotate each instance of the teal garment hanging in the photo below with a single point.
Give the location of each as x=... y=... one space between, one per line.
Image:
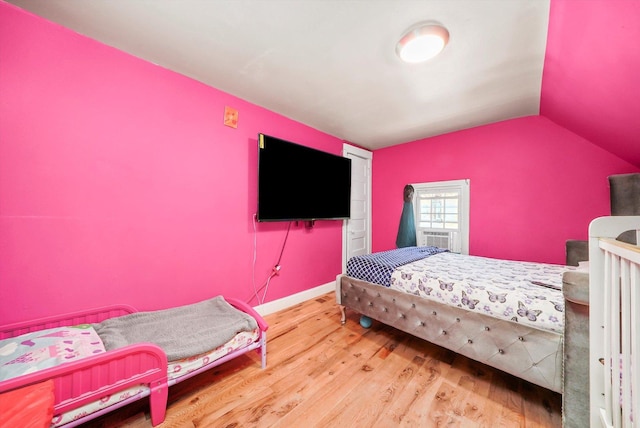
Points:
x=407 y=230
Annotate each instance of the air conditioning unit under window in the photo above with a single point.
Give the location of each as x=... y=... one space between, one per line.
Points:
x=446 y=240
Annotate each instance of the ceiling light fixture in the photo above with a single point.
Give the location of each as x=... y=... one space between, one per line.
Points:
x=422 y=42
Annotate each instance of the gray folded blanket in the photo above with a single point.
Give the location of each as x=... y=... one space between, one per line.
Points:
x=181 y=332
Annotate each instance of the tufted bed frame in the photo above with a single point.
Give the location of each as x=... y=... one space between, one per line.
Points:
x=531 y=354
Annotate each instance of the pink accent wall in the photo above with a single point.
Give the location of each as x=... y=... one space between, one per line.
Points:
x=119 y=183
x=533 y=185
x=590 y=81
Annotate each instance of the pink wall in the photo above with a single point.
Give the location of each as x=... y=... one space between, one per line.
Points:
x=119 y=183
x=590 y=82
x=533 y=185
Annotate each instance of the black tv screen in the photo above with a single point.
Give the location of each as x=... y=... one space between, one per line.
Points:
x=296 y=182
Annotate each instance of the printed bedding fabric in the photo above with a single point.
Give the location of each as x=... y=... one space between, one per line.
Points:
x=43 y=349
x=378 y=267
x=524 y=292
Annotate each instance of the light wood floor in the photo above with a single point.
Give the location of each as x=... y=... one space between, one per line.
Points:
x=322 y=374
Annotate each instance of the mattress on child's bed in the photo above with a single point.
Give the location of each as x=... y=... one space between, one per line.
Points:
x=175 y=370
x=524 y=292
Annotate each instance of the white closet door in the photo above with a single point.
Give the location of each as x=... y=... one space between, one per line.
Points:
x=357 y=230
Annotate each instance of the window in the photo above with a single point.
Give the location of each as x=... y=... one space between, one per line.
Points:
x=442 y=214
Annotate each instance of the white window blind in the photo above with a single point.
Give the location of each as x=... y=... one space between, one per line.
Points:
x=442 y=214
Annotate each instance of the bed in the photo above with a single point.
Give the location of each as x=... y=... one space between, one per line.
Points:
x=139 y=354
x=506 y=314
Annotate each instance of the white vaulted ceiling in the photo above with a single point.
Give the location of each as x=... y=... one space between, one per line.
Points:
x=332 y=64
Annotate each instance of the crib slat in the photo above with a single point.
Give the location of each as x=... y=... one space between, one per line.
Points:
x=625 y=334
x=635 y=346
x=605 y=413
x=605 y=420
x=612 y=334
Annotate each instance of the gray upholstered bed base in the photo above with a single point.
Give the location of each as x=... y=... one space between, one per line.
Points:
x=531 y=354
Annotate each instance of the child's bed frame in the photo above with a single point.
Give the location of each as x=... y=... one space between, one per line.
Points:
x=614 y=323
x=89 y=379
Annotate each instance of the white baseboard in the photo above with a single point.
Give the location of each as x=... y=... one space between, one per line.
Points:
x=294 y=299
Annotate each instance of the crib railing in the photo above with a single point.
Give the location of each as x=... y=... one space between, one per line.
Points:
x=614 y=302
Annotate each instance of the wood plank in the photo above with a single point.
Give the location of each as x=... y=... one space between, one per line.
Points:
x=410 y=409
x=371 y=388
x=328 y=378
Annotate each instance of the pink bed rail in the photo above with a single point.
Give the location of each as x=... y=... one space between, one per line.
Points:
x=75 y=318
x=244 y=307
x=261 y=346
x=92 y=378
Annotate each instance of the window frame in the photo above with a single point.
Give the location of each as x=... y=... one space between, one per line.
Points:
x=462 y=187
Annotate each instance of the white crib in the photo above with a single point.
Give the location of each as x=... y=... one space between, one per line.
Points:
x=614 y=323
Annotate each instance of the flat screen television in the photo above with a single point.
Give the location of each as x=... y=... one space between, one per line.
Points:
x=296 y=182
